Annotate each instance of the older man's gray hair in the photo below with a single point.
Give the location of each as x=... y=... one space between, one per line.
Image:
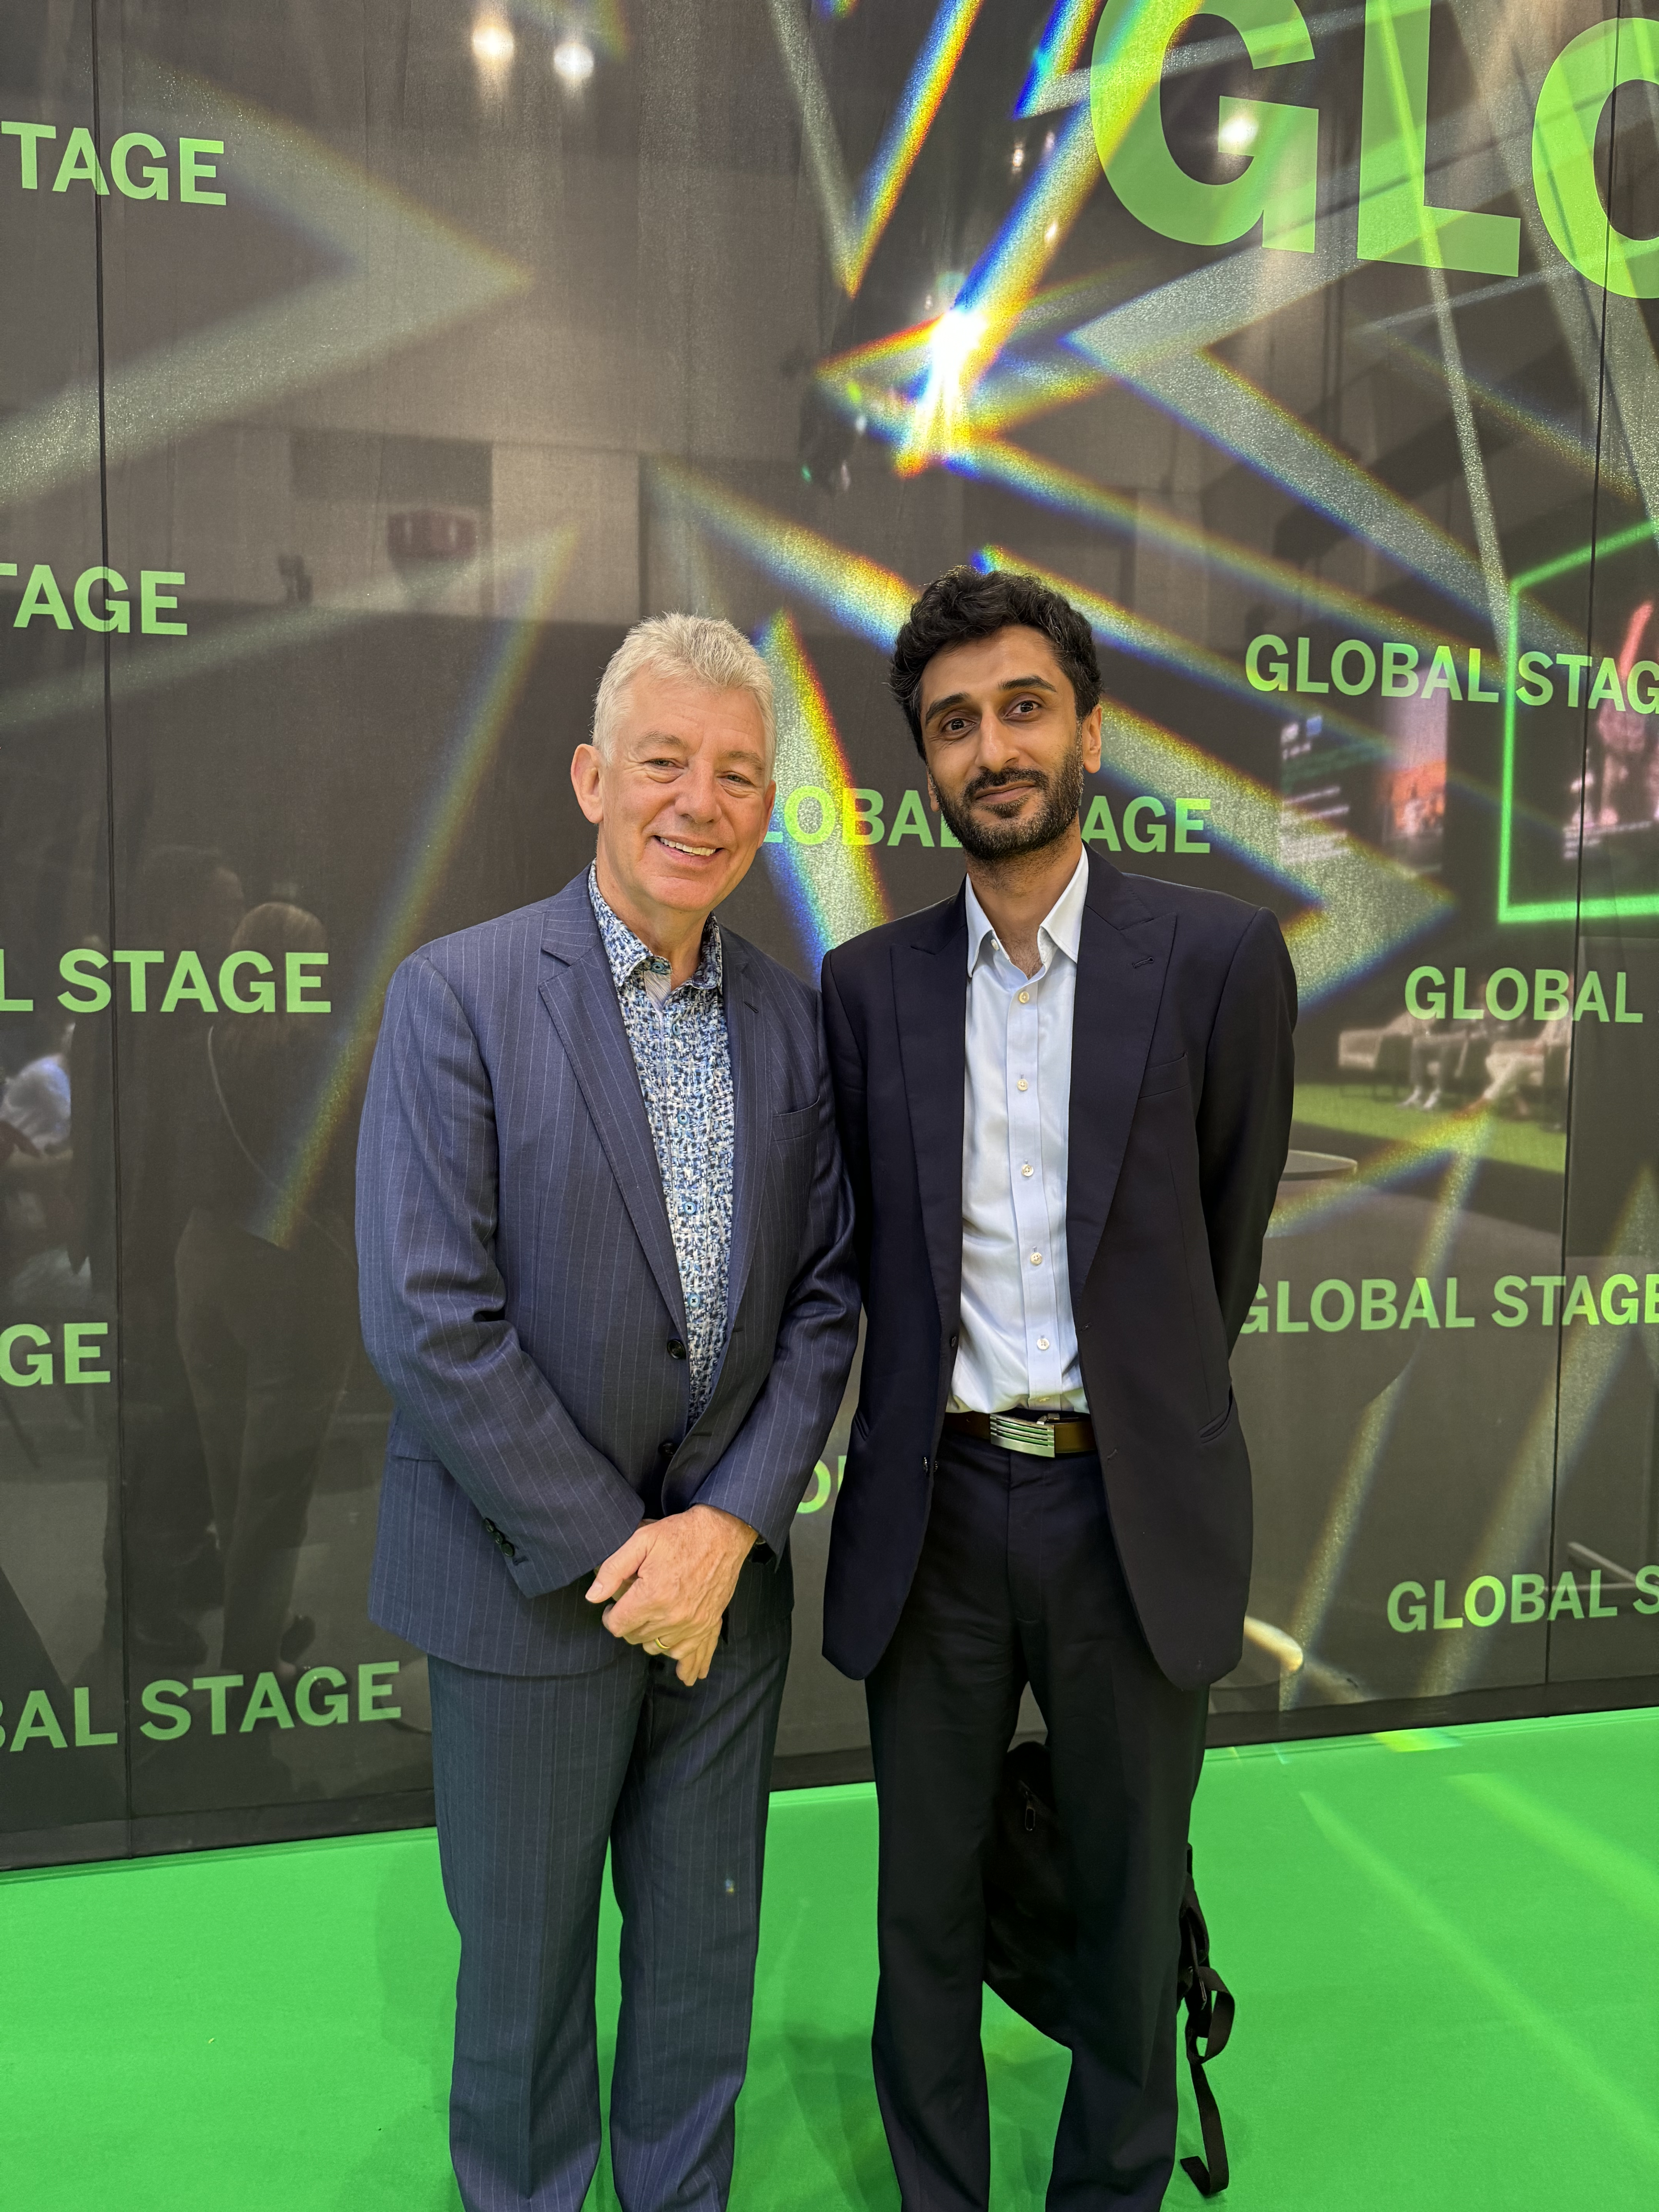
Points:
x=692 y=648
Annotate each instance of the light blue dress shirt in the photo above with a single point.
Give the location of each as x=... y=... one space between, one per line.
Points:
x=1017 y=1341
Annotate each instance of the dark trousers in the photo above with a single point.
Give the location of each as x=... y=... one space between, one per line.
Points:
x=268 y=1337
x=1019 y=1581
x=164 y=1515
x=535 y=1776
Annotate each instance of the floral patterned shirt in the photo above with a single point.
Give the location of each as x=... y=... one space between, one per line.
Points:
x=683 y=1061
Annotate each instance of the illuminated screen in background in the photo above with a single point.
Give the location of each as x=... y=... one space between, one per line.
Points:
x=367 y=372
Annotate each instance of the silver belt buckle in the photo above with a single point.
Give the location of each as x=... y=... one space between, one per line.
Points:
x=1036 y=1438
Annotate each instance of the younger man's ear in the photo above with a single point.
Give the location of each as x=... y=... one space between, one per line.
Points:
x=1091 y=736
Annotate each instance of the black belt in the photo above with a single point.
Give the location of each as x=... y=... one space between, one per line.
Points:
x=1042 y=1436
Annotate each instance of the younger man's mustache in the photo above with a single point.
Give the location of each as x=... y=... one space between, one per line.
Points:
x=1017 y=779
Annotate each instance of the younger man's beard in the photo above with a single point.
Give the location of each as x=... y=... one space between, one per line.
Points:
x=1062 y=796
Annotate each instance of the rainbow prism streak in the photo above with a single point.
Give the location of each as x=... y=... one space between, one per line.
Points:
x=1058 y=51
x=830 y=887
x=855 y=229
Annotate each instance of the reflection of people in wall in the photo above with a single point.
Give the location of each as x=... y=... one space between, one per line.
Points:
x=186 y=896
x=35 y=1102
x=34 y=1161
x=1620 y=787
x=267 y=1293
x=1525 y=1072
x=1450 y=1058
x=1436 y=1048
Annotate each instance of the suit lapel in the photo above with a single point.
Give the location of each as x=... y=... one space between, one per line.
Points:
x=580 y=998
x=930 y=994
x=1122 y=956
x=751 y=1082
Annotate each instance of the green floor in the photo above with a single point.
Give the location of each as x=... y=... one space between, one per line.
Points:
x=1445 y=1948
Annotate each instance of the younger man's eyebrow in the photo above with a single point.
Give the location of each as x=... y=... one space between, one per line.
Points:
x=1013 y=683
x=939 y=707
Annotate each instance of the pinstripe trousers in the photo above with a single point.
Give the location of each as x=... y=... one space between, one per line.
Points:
x=535 y=1776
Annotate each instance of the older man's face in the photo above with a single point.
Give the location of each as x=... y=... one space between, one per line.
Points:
x=681 y=799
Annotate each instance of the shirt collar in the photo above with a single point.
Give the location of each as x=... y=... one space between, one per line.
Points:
x=1062 y=926
x=628 y=954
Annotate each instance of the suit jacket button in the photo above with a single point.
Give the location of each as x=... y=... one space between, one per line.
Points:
x=953 y=1340
x=676 y=1347
x=668 y=1447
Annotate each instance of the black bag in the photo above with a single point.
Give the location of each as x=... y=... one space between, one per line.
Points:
x=1029 y=1937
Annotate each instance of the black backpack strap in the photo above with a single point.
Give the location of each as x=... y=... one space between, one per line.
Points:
x=1209 y=2016
x=1209 y=2020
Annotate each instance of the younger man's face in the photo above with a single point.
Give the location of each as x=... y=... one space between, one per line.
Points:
x=1006 y=752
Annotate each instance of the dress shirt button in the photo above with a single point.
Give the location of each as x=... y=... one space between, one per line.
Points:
x=1021 y=1084
x=1025 y=998
x=1036 y=1258
x=676 y=1347
x=1042 y=1344
x=1026 y=1168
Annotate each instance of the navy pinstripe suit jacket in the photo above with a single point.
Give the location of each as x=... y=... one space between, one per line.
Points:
x=520 y=1289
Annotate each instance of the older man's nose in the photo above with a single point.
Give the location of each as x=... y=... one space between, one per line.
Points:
x=699 y=796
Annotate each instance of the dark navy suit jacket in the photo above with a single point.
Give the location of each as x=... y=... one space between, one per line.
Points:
x=1181 y=1074
x=520 y=1294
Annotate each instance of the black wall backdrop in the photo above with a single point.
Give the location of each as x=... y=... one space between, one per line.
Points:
x=370 y=367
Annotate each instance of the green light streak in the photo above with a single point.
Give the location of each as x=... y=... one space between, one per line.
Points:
x=1632 y=2116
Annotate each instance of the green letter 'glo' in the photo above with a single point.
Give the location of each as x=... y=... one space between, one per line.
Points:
x=1582 y=79
x=1279 y=187
x=1395 y=221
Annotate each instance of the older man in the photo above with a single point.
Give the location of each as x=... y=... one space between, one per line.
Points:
x=607 y=1277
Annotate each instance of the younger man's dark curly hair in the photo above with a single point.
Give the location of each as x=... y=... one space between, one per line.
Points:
x=964 y=604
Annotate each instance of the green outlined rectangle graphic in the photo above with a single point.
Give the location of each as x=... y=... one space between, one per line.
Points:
x=1510 y=909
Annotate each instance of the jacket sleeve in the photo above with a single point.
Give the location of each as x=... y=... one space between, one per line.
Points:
x=763 y=1472
x=1244 y=1115
x=434 y=1303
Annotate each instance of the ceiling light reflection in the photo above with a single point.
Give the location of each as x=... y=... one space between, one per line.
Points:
x=493 y=43
x=494 y=47
x=573 y=62
x=954 y=337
